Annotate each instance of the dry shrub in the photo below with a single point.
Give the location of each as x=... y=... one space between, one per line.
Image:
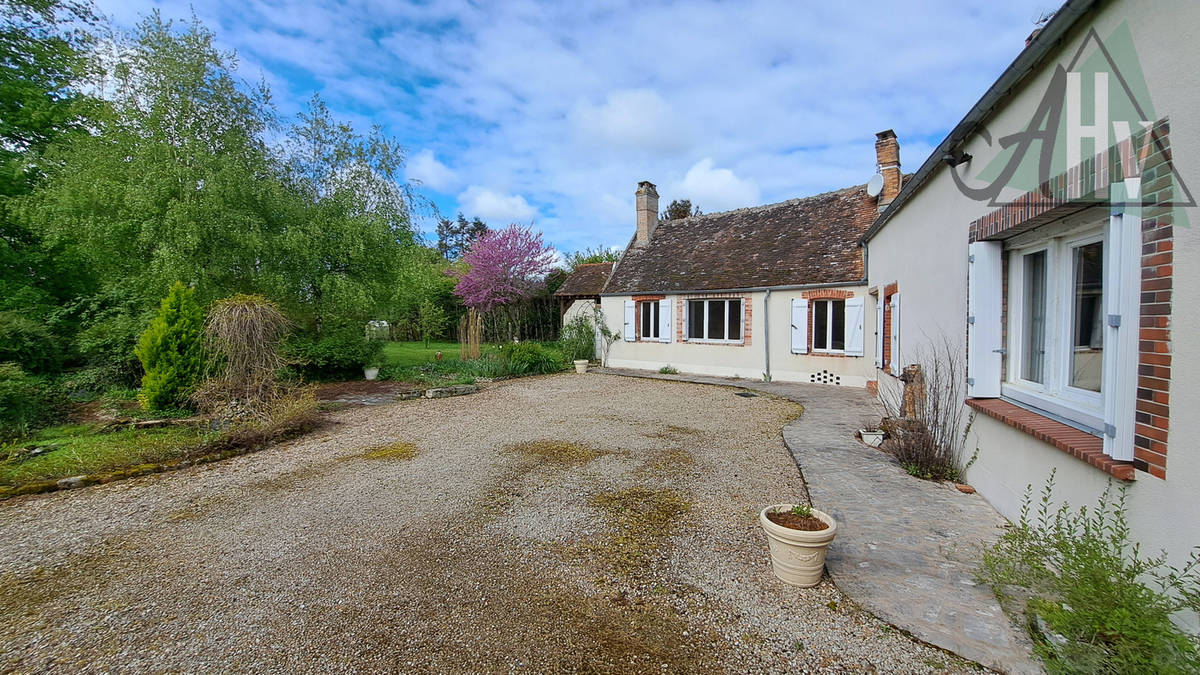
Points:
x=289 y=415
x=242 y=335
x=928 y=421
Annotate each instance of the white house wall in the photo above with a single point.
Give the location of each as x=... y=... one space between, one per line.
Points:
x=748 y=360
x=924 y=250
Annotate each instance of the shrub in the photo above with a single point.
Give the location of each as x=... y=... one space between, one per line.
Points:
x=28 y=343
x=171 y=351
x=26 y=402
x=243 y=335
x=530 y=358
x=669 y=370
x=928 y=424
x=338 y=352
x=1083 y=583
x=578 y=340
x=288 y=416
x=110 y=324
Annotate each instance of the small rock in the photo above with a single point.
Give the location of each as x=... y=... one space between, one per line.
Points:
x=964 y=488
x=72 y=482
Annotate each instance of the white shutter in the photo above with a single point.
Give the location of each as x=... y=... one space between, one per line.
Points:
x=897 y=368
x=664 y=320
x=985 y=294
x=630 y=321
x=799 y=326
x=879 y=329
x=1122 y=299
x=855 y=318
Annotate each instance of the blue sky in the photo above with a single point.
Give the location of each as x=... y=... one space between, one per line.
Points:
x=550 y=112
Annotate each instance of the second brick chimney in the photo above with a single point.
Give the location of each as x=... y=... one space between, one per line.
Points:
x=887 y=161
x=647 y=212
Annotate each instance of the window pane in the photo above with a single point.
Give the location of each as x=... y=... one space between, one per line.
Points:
x=838 y=310
x=735 y=319
x=1034 y=322
x=1087 y=311
x=695 y=319
x=716 y=320
x=821 y=324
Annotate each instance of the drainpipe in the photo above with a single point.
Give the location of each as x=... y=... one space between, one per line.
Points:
x=767 y=336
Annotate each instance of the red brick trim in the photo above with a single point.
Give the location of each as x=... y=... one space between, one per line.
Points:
x=1078 y=444
x=827 y=294
x=648 y=298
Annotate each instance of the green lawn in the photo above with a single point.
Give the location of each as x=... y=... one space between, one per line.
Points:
x=80 y=449
x=404 y=354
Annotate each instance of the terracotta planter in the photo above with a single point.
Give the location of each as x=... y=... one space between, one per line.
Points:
x=797 y=556
x=871 y=438
x=370 y=373
x=581 y=366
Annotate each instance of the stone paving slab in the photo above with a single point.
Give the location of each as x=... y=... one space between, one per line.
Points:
x=906 y=548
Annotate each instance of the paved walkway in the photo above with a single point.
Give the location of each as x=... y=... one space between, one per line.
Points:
x=905 y=546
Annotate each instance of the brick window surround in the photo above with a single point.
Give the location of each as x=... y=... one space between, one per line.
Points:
x=638 y=300
x=888 y=291
x=823 y=294
x=681 y=313
x=1147 y=155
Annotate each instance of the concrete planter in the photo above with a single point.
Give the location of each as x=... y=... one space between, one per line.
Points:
x=371 y=372
x=871 y=438
x=797 y=556
x=581 y=365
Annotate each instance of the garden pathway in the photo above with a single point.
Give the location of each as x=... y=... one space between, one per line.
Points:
x=906 y=548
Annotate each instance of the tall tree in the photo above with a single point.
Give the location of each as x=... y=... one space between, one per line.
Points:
x=680 y=208
x=503 y=266
x=455 y=236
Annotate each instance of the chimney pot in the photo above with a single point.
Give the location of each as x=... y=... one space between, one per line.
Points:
x=647 y=211
x=887 y=162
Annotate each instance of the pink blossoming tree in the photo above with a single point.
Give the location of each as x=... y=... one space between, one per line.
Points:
x=502 y=267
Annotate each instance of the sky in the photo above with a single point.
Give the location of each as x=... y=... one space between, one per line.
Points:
x=551 y=112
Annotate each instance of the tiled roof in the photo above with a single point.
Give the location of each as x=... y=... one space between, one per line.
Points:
x=587 y=279
x=813 y=240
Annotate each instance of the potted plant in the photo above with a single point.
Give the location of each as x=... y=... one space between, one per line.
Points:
x=798 y=536
x=371 y=370
x=871 y=432
x=581 y=365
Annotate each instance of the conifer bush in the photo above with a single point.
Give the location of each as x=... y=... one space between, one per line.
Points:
x=172 y=351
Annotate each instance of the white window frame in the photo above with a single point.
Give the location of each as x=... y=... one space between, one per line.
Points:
x=828 y=325
x=741 y=313
x=1055 y=395
x=654 y=308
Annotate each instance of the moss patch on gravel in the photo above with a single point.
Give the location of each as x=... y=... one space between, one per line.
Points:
x=399 y=450
x=556 y=452
x=642 y=521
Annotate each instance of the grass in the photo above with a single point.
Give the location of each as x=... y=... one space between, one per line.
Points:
x=556 y=452
x=405 y=354
x=398 y=450
x=82 y=449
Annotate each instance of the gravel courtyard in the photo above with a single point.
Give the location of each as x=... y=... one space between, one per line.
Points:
x=562 y=523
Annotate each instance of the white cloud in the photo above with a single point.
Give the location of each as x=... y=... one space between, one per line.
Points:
x=495 y=208
x=714 y=189
x=424 y=167
x=632 y=119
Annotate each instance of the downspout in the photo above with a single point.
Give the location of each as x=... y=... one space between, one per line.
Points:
x=767 y=336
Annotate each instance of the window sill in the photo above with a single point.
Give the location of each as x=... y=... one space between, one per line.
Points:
x=697 y=341
x=1078 y=444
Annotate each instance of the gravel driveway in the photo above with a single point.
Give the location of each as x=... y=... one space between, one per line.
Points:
x=563 y=523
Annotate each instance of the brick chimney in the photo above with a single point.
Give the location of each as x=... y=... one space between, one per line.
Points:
x=647 y=212
x=887 y=161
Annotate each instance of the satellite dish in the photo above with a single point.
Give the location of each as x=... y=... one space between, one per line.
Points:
x=875 y=185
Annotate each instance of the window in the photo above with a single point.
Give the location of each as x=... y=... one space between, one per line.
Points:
x=1056 y=323
x=829 y=325
x=715 y=320
x=649 y=318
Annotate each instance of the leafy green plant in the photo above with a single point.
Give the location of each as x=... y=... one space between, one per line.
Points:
x=339 y=351
x=578 y=340
x=530 y=358
x=802 y=510
x=1093 y=602
x=26 y=402
x=172 y=351
x=28 y=343
x=668 y=370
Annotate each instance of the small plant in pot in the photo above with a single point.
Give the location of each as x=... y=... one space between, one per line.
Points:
x=798 y=537
x=371 y=370
x=871 y=432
